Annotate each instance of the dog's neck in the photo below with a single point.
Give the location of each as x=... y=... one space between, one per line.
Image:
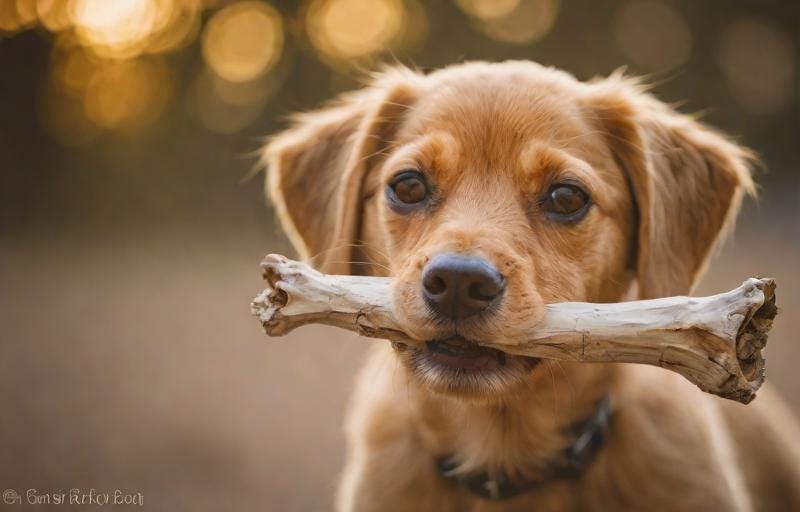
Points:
x=521 y=433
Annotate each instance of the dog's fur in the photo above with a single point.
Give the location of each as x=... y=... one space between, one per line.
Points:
x=492 y=137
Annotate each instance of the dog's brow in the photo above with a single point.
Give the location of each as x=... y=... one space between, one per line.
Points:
x=445 y=148
x=433 y=150
x=537 y=157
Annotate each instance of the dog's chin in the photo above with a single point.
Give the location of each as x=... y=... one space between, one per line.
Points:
x=461 y=368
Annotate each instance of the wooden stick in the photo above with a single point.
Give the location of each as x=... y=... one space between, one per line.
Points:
x=715 y=341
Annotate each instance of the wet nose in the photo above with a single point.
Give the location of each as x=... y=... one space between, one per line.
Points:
x=457 y=286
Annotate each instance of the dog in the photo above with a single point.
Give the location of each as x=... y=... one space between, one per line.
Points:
x=487 y=190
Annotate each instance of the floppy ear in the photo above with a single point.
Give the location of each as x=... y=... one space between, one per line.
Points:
x=316 y=168
x=687 y=182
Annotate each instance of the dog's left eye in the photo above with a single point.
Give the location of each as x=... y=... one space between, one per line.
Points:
x=407 y=189
x=566 y=202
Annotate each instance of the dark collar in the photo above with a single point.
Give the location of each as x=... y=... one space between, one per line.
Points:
x=590 y=436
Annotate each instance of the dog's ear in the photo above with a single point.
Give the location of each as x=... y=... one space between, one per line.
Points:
x=687 y=181
x=316 y=168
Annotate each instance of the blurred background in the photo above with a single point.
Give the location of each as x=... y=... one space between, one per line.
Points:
x=130 y=242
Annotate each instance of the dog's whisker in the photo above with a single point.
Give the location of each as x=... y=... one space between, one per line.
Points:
x=321 y=254
x=367 y=263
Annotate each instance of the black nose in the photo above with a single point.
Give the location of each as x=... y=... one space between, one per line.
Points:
x=457 y=286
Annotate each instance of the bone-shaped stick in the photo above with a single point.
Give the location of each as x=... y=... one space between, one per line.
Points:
x=715 y=341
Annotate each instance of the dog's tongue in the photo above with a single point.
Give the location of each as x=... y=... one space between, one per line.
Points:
x=473 y=358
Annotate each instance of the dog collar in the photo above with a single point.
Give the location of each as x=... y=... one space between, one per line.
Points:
x=590 y=436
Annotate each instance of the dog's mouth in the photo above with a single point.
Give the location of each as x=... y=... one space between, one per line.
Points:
x=459 y=366
x=466 y=356
x=460 y=354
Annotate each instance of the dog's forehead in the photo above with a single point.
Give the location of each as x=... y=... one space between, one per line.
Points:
x=500 y=112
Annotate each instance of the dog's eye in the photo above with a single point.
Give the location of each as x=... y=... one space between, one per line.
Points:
x=408 y=188
x=566 y=202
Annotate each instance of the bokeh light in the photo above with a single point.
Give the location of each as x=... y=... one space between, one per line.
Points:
x=346 y=29
x=514 y=22
x=9 y=20
x=126 y=95
x=53 y=14
x=488 y=9
x=416 y=29
x=107 y=70
x=60 y=105
x=759 y=64
x=653 y=35
x=178 y=26
x=111 y=72
x=227 y=107
x=114 y=29
x=243 y=41
x=16 y=15
x=252 y=94
x=26 y=12
x=87 y=95
x=73 y=69
x=26 y=9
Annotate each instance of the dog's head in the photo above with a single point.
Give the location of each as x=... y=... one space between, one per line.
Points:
x=490 y=190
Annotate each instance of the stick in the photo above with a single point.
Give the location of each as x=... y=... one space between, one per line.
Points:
x=715 y=342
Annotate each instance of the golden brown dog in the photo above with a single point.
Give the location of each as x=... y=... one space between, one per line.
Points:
x=487 y=191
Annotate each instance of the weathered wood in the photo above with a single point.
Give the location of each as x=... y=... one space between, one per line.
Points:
x=715 y=341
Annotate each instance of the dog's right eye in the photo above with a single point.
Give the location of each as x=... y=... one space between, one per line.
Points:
x=407 y=189
x=566 y=202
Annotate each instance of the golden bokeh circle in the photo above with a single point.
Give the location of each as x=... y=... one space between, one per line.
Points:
x=488 y=9
x=527 y=22
x=653 y=35
x=758 y=61
x=346 y=29
x=16 y=16
x=126 y=95
x=243 y=41
x=117 y=29
x=227 y=107
x=179 y=27
x=53 y=14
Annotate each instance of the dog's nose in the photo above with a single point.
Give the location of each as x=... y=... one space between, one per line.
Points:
x=457 y=286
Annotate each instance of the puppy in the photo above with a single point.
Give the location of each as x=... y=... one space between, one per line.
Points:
x=487 y=191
